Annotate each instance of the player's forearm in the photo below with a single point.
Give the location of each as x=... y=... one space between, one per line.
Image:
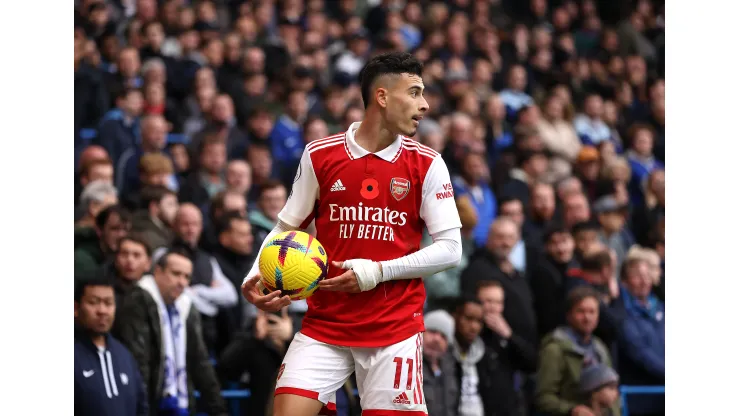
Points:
x=444 y=253
x=280 y=227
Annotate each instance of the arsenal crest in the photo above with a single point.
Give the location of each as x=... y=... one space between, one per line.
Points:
x=400 y=188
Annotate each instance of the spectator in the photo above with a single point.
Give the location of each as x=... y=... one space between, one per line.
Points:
x=524 y=253
x=647 y=214
x=492 y=263
x=441 y=387
x=154 y=221
x=614 y=233
x=499 y=135
x=119 y=129
x=566 y=353
x=590 y=125
x=222 y=125
x=541 y=211
x=568 y=186
x=473 y=183
x=260 y=350
x=260 y=159
x=132 y=261
x=238 y=177
x=286 y=139
x=616 y=174
x=162 y=331
x=484 y=388
x=586 y=236
x=600 y=384
x=100 y=169
x=221 y=204
x=271 y=200
x=587 y=168
x=531 y=167
x=549 y=277
x=641 y=159
x=559 y=137
x=155 y=170
x=107 y=378
x=95 y=197
x=235 y=255
x=598 y=272
x=576 y=209
x=204 y=182
x=209 y=288
x=641 y=335
x=153 y=140
x=95 y=246
x=517 y=353
x=514 y=95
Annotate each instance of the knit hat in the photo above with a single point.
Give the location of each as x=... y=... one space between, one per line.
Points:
x=442 y=322
x=597 y=376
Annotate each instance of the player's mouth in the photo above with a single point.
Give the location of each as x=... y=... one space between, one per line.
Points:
x=416 y=120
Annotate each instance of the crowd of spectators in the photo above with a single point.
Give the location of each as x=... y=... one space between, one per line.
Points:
x=191 y=116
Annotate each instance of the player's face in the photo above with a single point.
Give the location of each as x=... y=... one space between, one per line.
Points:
x=469 y=322
x=174 y=277
x=96 y=309
x=406 y=104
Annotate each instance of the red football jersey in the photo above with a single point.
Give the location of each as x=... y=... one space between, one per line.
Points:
x=369 y=206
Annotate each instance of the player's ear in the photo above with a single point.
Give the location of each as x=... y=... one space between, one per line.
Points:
x=381 y=96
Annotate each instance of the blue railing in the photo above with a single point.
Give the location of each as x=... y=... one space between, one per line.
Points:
x=87 y=135
x=625 y=391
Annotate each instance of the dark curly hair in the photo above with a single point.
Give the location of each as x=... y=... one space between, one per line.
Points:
x=387 y=63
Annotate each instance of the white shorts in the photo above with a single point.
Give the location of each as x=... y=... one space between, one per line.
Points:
x=389 y=379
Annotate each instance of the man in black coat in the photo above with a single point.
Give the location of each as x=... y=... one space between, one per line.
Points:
x=486 y=387
x=492 y=263
x=548 y=278
x=139 y=327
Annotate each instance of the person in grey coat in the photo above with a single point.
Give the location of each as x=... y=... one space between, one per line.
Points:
x=441 y=389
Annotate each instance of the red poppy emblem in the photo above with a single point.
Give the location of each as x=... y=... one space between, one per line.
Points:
x=369 y=189
x=400 y=188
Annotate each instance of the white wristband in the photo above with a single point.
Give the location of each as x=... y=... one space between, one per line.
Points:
x=368 y=273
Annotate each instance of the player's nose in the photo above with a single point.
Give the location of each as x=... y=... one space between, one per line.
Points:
x=424 y=105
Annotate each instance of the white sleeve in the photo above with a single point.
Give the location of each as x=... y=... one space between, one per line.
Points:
x=222 y=294
x=303 y=195
x=280 y=227
x=438 y=209
x=443 y=253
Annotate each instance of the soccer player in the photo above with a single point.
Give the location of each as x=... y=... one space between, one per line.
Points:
x=370 y=191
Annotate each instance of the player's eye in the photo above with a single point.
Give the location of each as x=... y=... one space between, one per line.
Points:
x=414 y=94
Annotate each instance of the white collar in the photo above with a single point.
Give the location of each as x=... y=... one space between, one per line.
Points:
x=389 y=154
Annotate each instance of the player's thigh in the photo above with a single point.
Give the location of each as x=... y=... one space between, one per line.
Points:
x=310 y=375
x=390 y=378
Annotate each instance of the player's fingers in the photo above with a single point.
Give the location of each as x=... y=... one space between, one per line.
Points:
x=261 y=300
x=252 y=282
x=339 y=264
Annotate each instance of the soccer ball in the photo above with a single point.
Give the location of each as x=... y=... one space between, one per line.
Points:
x=293 y=262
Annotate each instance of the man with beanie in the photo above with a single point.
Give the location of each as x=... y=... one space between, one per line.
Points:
x=441 y=389
x=600 y=384
x=485 y=390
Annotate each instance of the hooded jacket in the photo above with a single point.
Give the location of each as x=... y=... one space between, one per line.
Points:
x=107 y=381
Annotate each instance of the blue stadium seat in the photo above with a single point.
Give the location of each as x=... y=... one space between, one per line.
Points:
x=88 y=134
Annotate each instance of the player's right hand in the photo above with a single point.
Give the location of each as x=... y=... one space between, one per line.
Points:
x=271 y=302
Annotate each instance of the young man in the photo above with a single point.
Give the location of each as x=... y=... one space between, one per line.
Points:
x=373 y=190
x=107 y=378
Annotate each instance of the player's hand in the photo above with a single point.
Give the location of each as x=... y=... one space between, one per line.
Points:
x=346 y=282
x=271 y=302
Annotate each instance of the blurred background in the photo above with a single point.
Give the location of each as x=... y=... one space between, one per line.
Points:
x=191 y=116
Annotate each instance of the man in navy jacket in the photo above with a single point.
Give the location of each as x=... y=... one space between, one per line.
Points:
x=107 y=379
